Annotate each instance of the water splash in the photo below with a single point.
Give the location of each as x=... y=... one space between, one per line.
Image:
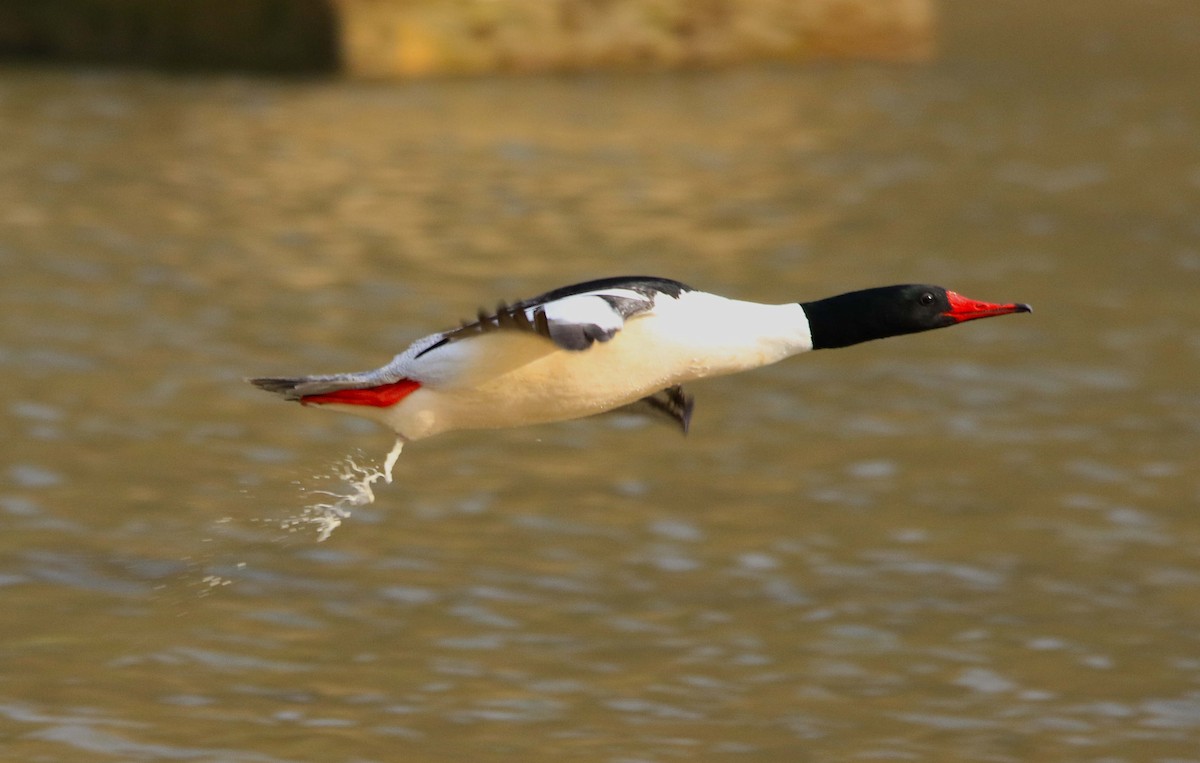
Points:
x=327 y=515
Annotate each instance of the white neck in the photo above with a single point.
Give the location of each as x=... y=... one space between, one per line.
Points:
x=717 y=335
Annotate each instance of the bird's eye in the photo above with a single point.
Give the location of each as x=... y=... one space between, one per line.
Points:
x=926 y=298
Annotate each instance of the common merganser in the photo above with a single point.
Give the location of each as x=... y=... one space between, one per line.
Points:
x=607 y=344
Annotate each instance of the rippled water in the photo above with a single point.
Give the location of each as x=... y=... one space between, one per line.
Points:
x=973 y=545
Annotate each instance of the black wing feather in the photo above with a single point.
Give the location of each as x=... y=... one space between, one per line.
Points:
x=517 y=316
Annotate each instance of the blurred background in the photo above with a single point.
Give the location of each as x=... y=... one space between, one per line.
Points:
x=970 y=545
x=405 y=38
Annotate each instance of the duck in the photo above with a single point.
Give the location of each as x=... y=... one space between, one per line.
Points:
x=627 y=343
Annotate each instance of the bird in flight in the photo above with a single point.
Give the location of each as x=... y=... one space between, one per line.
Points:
x=614 y=343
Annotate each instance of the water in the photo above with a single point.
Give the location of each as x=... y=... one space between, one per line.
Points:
x=977 y=544
x=353 y=485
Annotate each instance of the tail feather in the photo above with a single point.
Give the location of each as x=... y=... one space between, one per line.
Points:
x=285 y=386
x=298 y=387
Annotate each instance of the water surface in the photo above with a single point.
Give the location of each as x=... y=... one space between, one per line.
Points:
x=972 y=545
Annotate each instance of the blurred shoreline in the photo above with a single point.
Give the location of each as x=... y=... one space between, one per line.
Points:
x=385 y=39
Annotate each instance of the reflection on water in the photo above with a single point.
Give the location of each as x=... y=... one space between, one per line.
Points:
x=974 y=545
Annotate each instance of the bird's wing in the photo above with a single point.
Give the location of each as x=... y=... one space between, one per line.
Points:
x=573 y=317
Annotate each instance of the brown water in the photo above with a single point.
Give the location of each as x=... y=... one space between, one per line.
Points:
x=979 y=544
